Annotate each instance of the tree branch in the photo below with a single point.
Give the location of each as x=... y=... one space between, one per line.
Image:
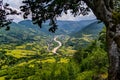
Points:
x=89 y=3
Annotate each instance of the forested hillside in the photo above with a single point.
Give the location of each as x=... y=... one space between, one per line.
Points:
x=26 y=52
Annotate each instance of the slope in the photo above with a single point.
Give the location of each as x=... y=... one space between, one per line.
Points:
x=92 y=29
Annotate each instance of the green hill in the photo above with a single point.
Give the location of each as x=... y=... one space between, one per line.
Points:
x=19 y=33
x=27 y=31
x=92 y=29
x=24 y=53
x=85 y=36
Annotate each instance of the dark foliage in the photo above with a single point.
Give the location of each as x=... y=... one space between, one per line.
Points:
x=117 y=5
x=43 y=10
x=4 y=12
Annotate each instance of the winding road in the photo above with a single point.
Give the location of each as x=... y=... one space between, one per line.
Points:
x=56 y=48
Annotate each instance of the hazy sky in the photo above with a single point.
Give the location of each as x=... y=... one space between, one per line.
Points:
x=16 y=4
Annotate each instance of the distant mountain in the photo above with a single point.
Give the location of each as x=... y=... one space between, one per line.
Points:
x=20 y=33
x=27 y=31
x=64 y=27
x=93 y=29
x=73 y=26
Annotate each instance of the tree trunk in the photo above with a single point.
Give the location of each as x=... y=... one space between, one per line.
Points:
x=103 y=10
x=113 y=42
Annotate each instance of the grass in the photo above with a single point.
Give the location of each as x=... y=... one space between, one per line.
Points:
x=18 y=53
x=64 y=60
x=2 y=78
x=84 y=75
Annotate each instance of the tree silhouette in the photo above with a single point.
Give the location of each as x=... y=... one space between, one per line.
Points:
x=5 y=10
x=105 y=10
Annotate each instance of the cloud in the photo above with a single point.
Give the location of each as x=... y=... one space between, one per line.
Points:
x=70 y=17
x=15 y=4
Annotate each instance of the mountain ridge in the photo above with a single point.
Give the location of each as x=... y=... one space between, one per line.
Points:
x=27 y=31
x=93 y=28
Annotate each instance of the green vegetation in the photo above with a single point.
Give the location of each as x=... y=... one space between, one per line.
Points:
x=116 y=17
x=30 y=61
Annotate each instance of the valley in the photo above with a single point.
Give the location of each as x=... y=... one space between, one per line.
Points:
x=28 y=52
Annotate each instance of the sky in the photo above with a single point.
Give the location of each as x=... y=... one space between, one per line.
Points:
x=15 y=4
